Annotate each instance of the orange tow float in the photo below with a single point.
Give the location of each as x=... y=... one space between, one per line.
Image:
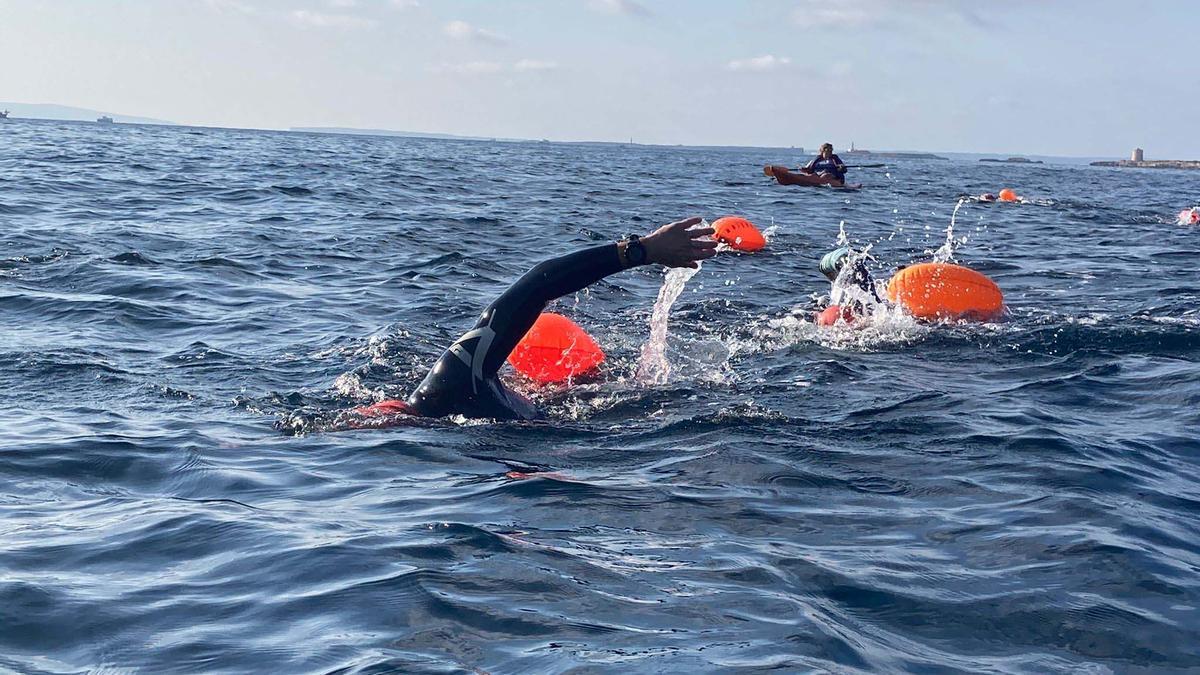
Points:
x=738 y=233
x=834 y=313
x=555 y=349
x=1008 y=195
x=944 y=291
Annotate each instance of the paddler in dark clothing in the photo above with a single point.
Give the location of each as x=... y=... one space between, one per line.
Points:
x=827 y=164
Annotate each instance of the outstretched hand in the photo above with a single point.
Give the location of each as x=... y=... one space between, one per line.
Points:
x=676 y=245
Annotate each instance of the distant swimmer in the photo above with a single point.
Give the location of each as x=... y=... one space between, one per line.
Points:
x=1006 y=195
x=464 y=380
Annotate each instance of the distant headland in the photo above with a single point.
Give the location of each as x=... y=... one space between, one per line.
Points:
x=1137 y=160
x=1013 y=160
x=51 y=111
x=405 y=134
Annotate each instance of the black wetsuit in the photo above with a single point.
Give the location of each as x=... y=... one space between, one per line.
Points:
x=464 y=380
x=861 y=277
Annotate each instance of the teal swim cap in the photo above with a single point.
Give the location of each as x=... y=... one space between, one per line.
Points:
x=833 y=261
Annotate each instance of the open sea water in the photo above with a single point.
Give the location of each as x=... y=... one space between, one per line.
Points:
x=182 y=308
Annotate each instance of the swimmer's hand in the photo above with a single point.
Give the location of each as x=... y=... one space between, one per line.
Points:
x=675 y=245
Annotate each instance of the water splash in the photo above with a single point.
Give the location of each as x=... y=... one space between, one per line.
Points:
x=945 y=253
x=654 y=368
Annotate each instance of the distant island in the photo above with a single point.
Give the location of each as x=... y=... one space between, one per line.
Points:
x=404 y=134
x=1014 y=160
x=1137 y=160
x=859 y=152
x=50 y=111
x=1153 y=164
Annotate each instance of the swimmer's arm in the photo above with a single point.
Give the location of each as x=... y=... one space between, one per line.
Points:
x=511 y=315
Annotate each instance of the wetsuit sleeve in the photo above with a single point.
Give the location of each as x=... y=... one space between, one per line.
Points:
x=512 y=314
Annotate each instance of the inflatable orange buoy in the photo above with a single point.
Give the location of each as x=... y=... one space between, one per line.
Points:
x=1008 y=195
x=945 y=291
x=555 y=349
x=739 y=233
x=831 y=314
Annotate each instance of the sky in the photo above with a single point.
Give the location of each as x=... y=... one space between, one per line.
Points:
x=1050 y=77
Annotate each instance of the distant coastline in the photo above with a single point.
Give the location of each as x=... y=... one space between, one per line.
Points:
x=53 y=112
x=66 y=113
x=1193 y=165
x=348 y=131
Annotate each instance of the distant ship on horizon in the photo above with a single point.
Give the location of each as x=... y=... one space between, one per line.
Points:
x=104 y=119
x=4 y=115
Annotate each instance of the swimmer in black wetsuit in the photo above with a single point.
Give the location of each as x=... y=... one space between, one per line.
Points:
x=831 y=266
x=464 y=380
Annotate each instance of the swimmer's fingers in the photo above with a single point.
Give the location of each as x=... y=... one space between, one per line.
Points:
x=685 y=223
x=677 y=245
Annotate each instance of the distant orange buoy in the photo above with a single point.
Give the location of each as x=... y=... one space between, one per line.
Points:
x=1008 y=195
x=831 y=314
x=739 y=233
x=944 y=291
x=555 y=349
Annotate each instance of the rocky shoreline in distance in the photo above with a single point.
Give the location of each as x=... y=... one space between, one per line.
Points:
x=1153 y=164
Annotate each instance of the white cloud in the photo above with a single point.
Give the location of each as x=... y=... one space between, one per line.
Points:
x=405 y=4
x=494 y=67
x=860 y=13
x=525 y=65
x=470 y=68
x=759 y=63
x=461 y=30
x=818 y=13
x=321 y=20
x=627 y=7
x=343 y=4
x=231 y=6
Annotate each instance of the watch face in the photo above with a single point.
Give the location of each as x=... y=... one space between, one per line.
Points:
x=635 y=252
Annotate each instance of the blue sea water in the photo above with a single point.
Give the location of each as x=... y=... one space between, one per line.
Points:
x=1017 y=496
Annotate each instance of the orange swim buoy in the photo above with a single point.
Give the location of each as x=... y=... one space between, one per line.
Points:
x=1008 y=195
x=831 y=314
x=739 y=233
x=555 y=349
x=945 y=291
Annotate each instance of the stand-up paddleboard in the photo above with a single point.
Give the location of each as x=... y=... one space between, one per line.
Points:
x=785 y=177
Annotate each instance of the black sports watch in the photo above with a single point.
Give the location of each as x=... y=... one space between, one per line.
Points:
x=635 y=252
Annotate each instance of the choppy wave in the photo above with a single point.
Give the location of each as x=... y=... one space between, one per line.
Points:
x=1018 y=496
